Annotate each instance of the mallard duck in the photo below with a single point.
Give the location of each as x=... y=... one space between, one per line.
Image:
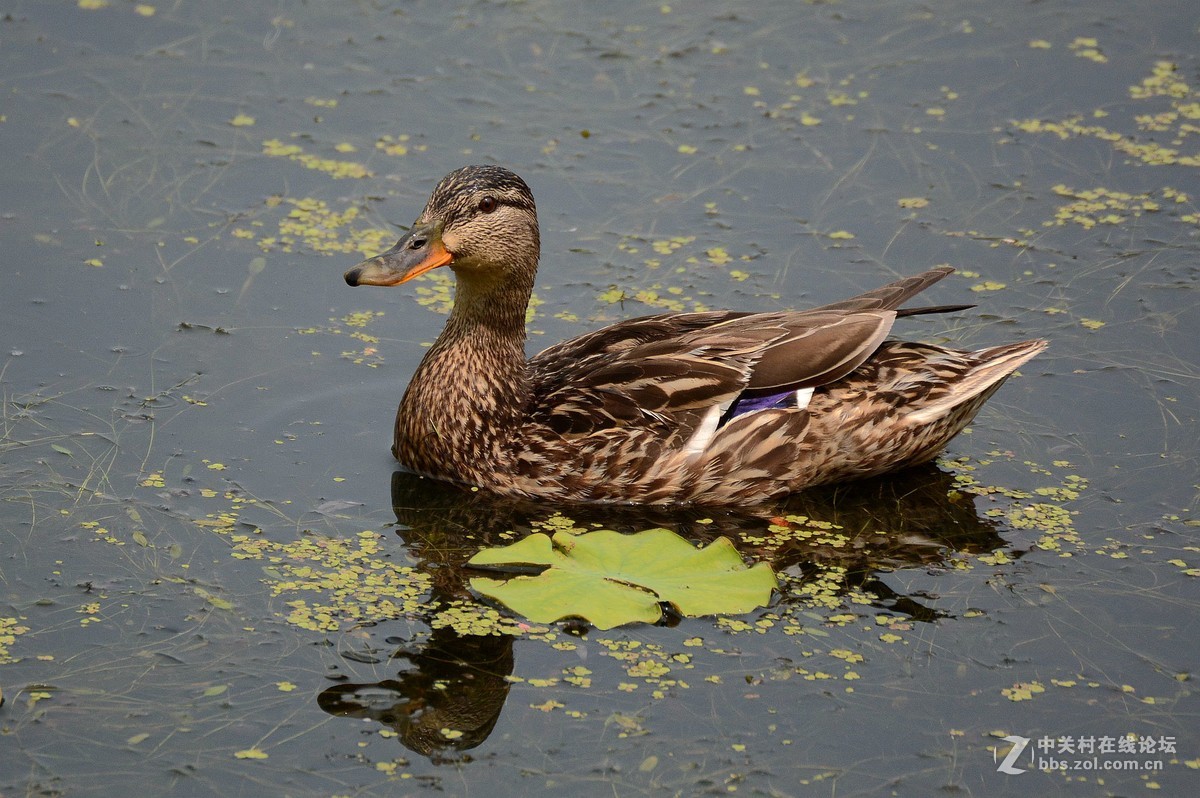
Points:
x=717 y=407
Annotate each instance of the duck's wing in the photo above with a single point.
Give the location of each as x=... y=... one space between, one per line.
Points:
x=664 y=384
x=672 y=371
x=624 y=335
x=674 y=385
x=895 y=294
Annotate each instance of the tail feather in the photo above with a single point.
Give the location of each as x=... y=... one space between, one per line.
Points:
x=994 y=367
x=902 y=312
x=892 y=295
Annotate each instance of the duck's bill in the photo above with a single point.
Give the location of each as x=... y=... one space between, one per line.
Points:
x=418 y=252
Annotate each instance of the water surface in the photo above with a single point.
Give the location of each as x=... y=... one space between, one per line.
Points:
x=213 y=581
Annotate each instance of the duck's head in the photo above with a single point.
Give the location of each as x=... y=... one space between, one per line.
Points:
x=480 y=221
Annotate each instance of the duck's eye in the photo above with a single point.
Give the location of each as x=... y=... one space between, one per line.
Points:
x=488 y=204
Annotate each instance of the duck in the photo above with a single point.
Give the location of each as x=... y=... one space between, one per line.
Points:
x=722 y=407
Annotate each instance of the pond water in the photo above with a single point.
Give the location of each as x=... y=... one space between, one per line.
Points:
x=213 y=580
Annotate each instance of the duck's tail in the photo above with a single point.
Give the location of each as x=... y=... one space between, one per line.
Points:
x=993 y=367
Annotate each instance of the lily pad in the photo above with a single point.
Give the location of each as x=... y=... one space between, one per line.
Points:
x=611 y=579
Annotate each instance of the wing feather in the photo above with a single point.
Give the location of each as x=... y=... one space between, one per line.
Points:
x=670 y=371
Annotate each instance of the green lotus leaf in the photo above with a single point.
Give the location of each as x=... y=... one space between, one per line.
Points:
x=611 y=579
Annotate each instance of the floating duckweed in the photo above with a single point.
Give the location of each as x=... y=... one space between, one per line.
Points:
x=361 y=318
x=1089 y=207
x=470 y=618
x=1023 y=691
x=1085 y=47
x=397 y=145
x=998 y=557
x=578 y=676
x=1148 y=153
x=718 y=255
x=436 y=292
x=349 y=580
x=1163 y=82
x=1054 y=521
x=652 y=297
x=683 y=261
x=326 y=584
x=667 y=246
x=334 y=168
x=367 y=356
x=10 y=628
x=370 y=355
x=989 y=285
x=648 y=662
x=154 y=480
x=90 y=611
x=312 y=225
x=844 y=654
x=277 y=149
x=102 y=533
x=557 y=522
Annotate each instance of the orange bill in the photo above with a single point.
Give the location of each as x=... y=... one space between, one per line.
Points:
x=418 y=252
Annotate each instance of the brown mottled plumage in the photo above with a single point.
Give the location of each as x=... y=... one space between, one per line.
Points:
x=646 y=410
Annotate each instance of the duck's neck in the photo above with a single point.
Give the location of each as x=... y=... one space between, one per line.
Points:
x=470 y=390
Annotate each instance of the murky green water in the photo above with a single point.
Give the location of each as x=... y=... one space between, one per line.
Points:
x=211 y=582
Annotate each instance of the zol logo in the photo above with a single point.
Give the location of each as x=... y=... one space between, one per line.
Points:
x=1019 y=745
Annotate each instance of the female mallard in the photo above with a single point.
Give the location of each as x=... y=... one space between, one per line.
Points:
x=712 y=408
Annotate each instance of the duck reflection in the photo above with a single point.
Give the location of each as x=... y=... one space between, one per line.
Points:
x=447 y=698
x=449 y=694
